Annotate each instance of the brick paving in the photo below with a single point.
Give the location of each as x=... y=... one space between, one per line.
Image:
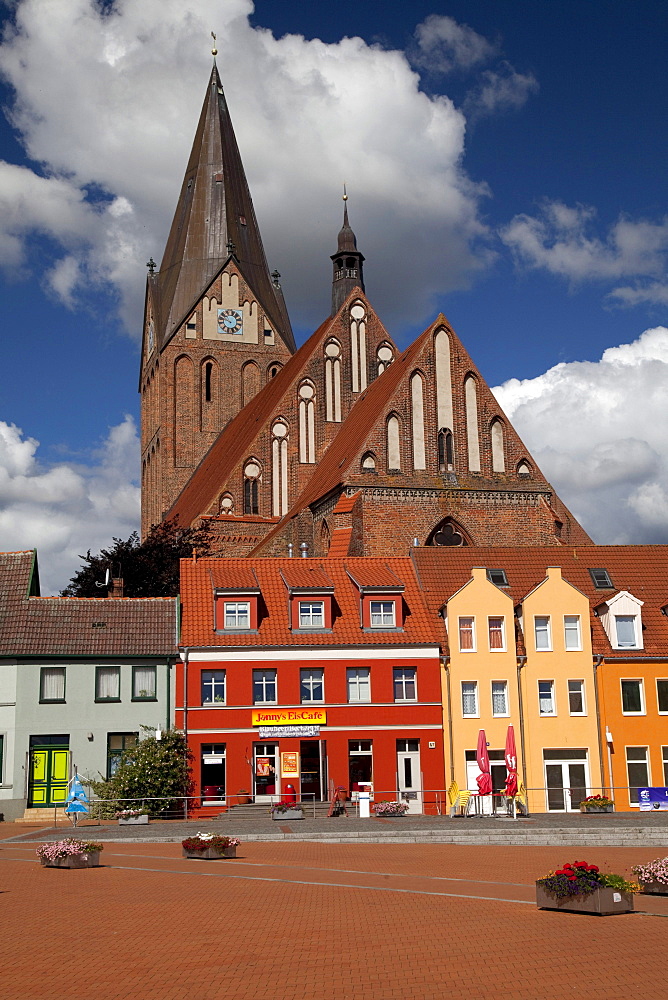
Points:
x=319 y=920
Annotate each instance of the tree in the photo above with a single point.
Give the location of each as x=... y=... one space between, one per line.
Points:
x=148 y=569
x=154 y=769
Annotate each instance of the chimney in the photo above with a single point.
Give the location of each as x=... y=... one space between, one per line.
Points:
x=116 y=587
x=303 y=548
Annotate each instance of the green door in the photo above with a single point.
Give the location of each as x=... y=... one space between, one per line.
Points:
x=49 y=776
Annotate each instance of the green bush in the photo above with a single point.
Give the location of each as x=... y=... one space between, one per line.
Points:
x=154 y=769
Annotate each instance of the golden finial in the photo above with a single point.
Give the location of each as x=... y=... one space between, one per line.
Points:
x=214 y=50
x=345 y=196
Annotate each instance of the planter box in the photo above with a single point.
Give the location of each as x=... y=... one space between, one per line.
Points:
x=603 y=901
x=596 y=809
x=210 y=854
x=654 y=888
x=288 y=814
x=133 y=820
x=90 y=860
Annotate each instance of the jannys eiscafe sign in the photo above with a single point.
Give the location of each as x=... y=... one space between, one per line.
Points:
x=290 y=717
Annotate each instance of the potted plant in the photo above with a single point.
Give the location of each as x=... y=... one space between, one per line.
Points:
x=210 y=847
x=597 y=804
x=131 y=817
x=583 y=888
x=70 y=853
x=243 y=797
x=287 y=810
x=653 y=876
x=390 y=810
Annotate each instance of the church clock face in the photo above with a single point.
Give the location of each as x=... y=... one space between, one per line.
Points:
x=230 y=321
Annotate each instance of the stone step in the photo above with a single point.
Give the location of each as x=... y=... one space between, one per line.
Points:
x=44 y=816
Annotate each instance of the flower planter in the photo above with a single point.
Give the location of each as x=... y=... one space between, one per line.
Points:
x=90 y=860
x=133 y=820
x=596 y=809
x=603 y=901
x=211 y=854
x=654 y=888
x=288 y=814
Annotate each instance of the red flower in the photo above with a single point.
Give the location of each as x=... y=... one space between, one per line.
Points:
x=572 y=878
x=593 y=868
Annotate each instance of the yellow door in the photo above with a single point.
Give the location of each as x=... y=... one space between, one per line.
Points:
x=49 y=776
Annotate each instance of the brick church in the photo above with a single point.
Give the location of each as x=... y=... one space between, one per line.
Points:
x=344 y=446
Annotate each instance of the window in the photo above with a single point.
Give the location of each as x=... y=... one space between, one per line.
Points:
x=576 y=698
x=498 y=577
x=541 y=625
x=633 y=702
x=213 y=687
x=625 y=631
x=546 y=705
x=311 y=684
x=500 y=698
x=601 y=579
x=572 y=640
x=252 y=476
x=52 y=684
x=497 y=638
x=470 y=698
x=116 y=744
x=405 y=686
x=107 y=684
x=467 y=634
x=637 y=769
x=264 y=687
x=143 y=684
x=359 y=684
x=237 y=614
x=311 y=614
x=664 y=758
x=382 y=614
x=662 y=696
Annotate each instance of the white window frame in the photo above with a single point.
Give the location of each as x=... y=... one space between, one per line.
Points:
x=648 y=764
x=264 y=677
x=471 y=619
x=358 y=679
x=214 y=683
x=635 y=620
x=573 y=620
x=233 y=611
x=658 y=703
x=386 y=611
x=546 y=630
x=576 y=680
x=496 y=618
x=664 y=762
x=475 y=714
x=404 y=677
x=633 y=680
x=553 y=698
x=500 y=715
x=307 y=681
x=316 y=609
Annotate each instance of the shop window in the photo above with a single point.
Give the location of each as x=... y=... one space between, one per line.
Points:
x=117 y=743
x=213 y=687
x=633 y=697
x=144 y=684
x=637 y=769
x=572 y=637
x=107 y=684
x=470 y=699
x=542 y=633
x=383 y=614
x=264 y=687
x=500 y=698
x=52 y=685
x=405 y=683
x=311 y=684
x=360 y=764
x=497 y=636
x=576 y=698
x=546 y=702
x=467 y=635
x=359 y=684
x=213 y=772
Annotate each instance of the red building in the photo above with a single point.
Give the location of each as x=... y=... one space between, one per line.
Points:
x=311 y=673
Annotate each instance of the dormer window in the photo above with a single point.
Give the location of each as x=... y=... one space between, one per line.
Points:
x=382 y=614
x=237 y=614
x=625 y=631
x=621 y=618
x=236 y=598
x=311 y=614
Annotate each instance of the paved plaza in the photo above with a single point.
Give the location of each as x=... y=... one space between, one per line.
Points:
x=293 y=920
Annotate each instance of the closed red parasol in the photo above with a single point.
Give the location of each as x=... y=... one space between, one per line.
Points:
x=511 y=763
x=484 y=779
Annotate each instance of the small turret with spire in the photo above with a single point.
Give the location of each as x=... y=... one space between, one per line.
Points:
x=348 y=261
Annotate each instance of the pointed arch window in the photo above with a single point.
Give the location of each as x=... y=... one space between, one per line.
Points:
x=498 y=452
x=279 y=467
x=208 y=368
x=368 y=462
x=472 y=436
x=417 y=419
x=393 y=445
x=524 y=469
x=358 y=347
x=448 y=533
x=307 y=423
x=250 y=381
x=252 y=477
x=446 y=450
x=333 y=381
x=384 y=357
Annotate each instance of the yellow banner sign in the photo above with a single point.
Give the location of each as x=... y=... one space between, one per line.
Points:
x=289 y=717
x=289 y=765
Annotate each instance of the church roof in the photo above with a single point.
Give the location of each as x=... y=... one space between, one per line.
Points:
x=214 y=220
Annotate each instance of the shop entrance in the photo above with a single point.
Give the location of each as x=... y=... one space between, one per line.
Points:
x=409 y=775
x=566 y=779
x=313 y=770
x=360 y=765
x=266 y=784
x=213 y=773
x=487 y=804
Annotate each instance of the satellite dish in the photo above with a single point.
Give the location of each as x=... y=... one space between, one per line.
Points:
x=107 y=579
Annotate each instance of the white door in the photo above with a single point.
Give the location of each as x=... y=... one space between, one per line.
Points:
x=266 y=773
x=410 y=778
x=566 y=785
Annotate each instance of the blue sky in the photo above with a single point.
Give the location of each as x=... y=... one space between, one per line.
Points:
x=505 y=164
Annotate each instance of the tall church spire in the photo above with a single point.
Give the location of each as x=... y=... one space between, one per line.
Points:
x=214 y=219
x=347 y=262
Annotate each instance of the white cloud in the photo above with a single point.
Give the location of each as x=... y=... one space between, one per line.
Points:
x=597 y=430
x=67 y=508
x=500 y=90
x=112 y=131
x=444 y=45
x=562 y=241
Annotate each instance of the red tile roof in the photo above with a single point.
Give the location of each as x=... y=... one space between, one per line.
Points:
x=346 y=503
x=305 y=574
x=374 y=577
x=340 y=543
x=420 y=627
x=225 y=576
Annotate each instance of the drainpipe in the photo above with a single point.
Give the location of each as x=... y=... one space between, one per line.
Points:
x=598 y=660
x=521 y=660
x=445 y=660
x=186 y=652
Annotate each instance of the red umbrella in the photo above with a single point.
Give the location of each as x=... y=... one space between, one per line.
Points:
x=511 y=763
x=484 y=779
